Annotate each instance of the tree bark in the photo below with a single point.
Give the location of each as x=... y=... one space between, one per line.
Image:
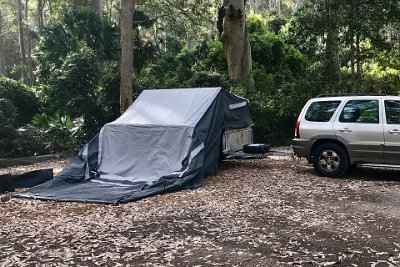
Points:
x=358 y=60
x=126 y=20
x=351 y=43
x=333 y=60
x=21 y=39
x=2 y=63
x=40 y=13
x=97 y=6
x=233 y=31
x=333 y=74
x=253 y=6
x=29 y=48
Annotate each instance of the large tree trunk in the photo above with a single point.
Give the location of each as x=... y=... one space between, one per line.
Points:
x=126 y=21
x=21 y=39
x=233 y=31
x=334 y=78
x=333 y=74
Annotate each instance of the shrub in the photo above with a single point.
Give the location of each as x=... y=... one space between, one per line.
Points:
x=19 y=97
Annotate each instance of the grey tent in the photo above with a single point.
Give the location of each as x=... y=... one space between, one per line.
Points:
x=166 y=141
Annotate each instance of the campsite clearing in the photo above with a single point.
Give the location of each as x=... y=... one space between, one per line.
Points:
x=270 y=212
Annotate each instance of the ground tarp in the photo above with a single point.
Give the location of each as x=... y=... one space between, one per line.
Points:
x=166 y=141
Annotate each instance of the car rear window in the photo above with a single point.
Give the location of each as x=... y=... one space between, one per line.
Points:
x=321 y=111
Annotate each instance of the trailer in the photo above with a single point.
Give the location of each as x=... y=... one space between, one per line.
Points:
x=238 y=144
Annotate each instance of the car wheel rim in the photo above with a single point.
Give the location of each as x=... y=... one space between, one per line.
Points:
x=329 y=160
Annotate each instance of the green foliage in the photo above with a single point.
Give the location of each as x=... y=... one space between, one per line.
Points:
x=208 y=79
x=76 y=29
x=58 y=133
x=109 y=94
x=279 y=72
x=177 y=68
x=8 y=113
x=73 y=90
x=21 y=98
x=15 y=110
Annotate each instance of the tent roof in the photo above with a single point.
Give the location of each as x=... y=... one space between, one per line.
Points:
x=169 y=107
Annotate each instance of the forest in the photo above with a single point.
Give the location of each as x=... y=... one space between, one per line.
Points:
x=67 y=67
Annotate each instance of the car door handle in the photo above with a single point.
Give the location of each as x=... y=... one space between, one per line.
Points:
x=394 y=131
x=345 y=130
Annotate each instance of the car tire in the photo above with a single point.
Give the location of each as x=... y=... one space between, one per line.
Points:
x=330 y=160
x=256 y=148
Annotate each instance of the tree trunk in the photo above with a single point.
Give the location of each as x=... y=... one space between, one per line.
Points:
x=2 y=63
x=233 y=31
x=352 y=59
x=126 y=20
x=40 y=13
x=50 y=10
x=359 y=65
x=333 y=75
x=29 y=48
x=97 y=6
x=253 y=6
x=21 y=39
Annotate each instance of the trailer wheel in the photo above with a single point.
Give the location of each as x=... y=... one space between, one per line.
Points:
x=256 y=148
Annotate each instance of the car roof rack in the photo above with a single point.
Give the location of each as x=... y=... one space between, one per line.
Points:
x=348 y=94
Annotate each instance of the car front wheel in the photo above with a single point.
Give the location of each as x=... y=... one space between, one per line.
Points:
x=330 y=160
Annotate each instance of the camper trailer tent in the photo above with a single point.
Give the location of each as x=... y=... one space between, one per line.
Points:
x=166 y=141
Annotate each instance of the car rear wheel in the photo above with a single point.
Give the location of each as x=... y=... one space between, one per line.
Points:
x=330 y=160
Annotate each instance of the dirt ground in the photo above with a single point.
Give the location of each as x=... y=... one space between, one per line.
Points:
x=270 y=212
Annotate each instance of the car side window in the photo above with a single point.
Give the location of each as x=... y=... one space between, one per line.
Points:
x=392 y=110
x=360 y=111
x=321 y=111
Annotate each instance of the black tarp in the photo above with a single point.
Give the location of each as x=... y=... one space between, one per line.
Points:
x=8 y=182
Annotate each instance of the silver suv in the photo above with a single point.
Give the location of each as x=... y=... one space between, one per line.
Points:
x=335 y=132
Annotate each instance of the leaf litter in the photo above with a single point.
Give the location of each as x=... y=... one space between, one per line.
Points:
x=270 y=212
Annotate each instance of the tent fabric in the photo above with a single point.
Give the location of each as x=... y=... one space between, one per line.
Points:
x=167 y=140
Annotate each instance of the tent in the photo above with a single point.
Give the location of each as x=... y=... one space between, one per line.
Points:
x=167 y=140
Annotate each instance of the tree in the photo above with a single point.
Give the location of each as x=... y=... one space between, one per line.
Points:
x=21 y=38
x=126 y=91
x=232 y=28
x=333 y=74
x=2 y=65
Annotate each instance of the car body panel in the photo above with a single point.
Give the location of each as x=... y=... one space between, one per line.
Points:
x=364 y=141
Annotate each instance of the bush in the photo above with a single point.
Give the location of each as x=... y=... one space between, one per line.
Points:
x=19 y=97
x=73 y=91
x=58 y=133
x=17 y=106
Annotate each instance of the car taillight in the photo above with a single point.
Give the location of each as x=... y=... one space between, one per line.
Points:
x=297 y=130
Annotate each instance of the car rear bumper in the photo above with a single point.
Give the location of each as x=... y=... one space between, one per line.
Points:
x=301 y=148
